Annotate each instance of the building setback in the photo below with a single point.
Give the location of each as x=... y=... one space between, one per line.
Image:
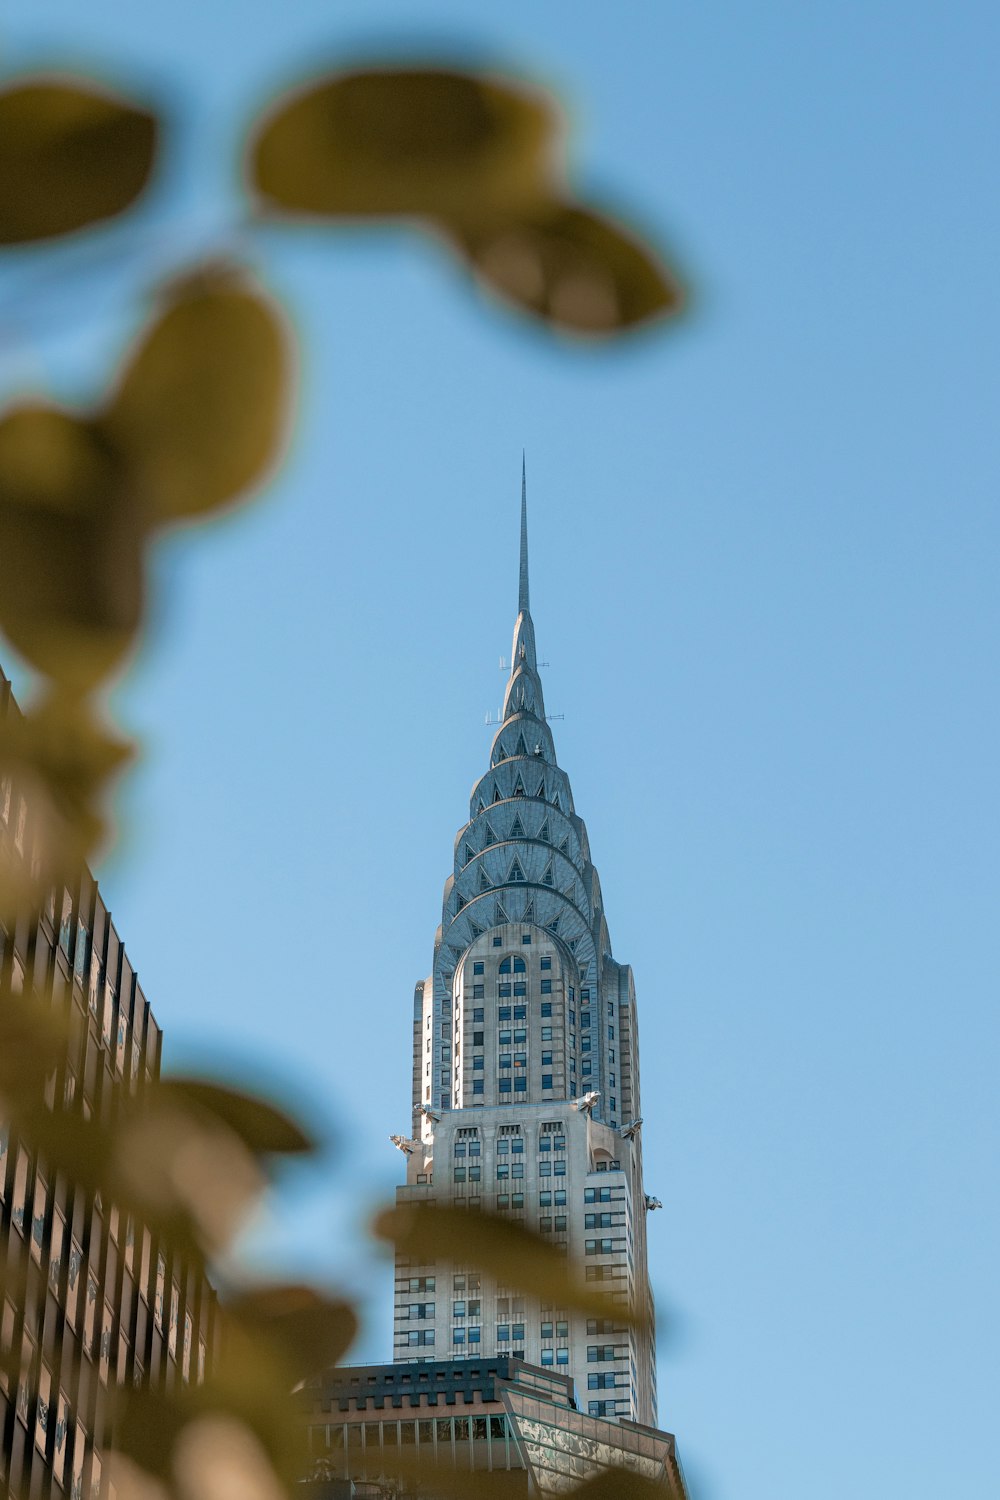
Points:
x=107 y=1303
x=526 y=1076
x=498 y=1415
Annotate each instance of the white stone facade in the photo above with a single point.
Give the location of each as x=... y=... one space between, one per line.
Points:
x=526 y=1011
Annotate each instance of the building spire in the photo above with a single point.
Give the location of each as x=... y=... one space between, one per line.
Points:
x=522 y=591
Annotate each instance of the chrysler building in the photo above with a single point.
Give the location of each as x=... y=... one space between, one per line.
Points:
x=526 y=1074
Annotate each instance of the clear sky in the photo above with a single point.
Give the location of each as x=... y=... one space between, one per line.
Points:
x=764 y=571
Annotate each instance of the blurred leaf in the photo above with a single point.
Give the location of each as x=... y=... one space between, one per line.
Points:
x=71 y=562
x=424 y=142
x=62 y=759
x=572 y=268
x=505 y=1251
x=186 y=1172
x=305 y=1330
x=70 y=155
x=33 y=1042
x=166 y=1433
x=260 y=1125
x=201 y=410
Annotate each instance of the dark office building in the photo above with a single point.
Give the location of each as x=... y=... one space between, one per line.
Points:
x=501 y=1415
x=107 y=1303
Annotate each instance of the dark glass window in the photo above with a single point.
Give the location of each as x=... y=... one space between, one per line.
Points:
x=478 y=992
x=520 y=1085
x=547 y=1081
x=503 y=990
x=477 y=1038
x=478 y=967
x=546 y=962
x=504 y=1085
x=546 y=986
x=478 y=1086
x=546 y=1007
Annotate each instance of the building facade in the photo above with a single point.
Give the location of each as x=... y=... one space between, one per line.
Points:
x=499 y=1416
x=526 y=1075
x=104 y=1301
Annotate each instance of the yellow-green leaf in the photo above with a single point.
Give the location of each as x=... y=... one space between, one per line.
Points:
x=424 y=142
x=70 y=154
x=495 y=1245
x=201 y=411
x=61 y=758
x=305 y=1330
x=574 y=269
x=71 y=584
x=260 y=1125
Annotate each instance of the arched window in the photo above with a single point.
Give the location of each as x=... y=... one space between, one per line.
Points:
x=505 y=966
x=519 y=966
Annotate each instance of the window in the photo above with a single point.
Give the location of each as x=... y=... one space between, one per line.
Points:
x=611 y=1033
x=458 y=1308
x=546 y=1063
x=562 y=1356
x=520 y=988
x=498 y=942
x=516 y=1199
x=475 y=1174
x=596 y=1353
x=585 y=1044
x=560 y=1169
x=520 y=1036
x=585 y=994
x=503 y=1169
x=460 y=1148
x=478 y=1086
x=547 y=1008
x=422 y=1283
x=545 y=1200
x=546 y=986
x=584 y=1018
x=546 y=1033
x=478 y=967
x=559 y=1197
x=517 y=1170
x=478 y=1063
x=560 y=1223
x=545 y=1169
x=614 y=1102
x=479 y=1014
x=504 y=1038
x=458 y=1335
x=562 y=1330
x=546 y=1330
x=546 y=1356
x=520 y=1012
x=503 y=990
x=473 y=1334
x=478 y=991
x=525 y=937
x=586 y=1067
x=547 y=1081
x=503 y=1146
x=459 y=1174
x=520 y=967
x=601 y=1380
x=520 y=1085
x=503 y=1333
x=597 y=1221
x=517 y=1330
x=423 y=1336
x=546 y=962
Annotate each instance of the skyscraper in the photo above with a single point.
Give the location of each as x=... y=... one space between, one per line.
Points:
x=526 y=1074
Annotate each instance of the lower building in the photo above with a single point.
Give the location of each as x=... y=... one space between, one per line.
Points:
x=385 y=1428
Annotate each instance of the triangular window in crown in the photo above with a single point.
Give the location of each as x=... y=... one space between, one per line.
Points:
x=543 y=832
x=470 y=854
x=529 y=912
x=458 y=954
x=519 y=788
x=553 y=926
x=515 y=873
x=496 y=793
x=517 y=828
x=477 y=931
x=547 y=877
x=540 y=794
x=489 y=837
x=572 y=944
x=499 y=754
x=485 y=883
x=522 y=748
x=459 y=901
x=500 y=916
x=556 y=802
x=480 y=805
x=564 y=846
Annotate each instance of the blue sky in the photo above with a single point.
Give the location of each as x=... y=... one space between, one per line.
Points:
x=764 y=551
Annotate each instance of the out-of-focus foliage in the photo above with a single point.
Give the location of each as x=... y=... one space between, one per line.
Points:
x=201 y=409
x=494 y=1244
x=194 y=421
x=71 y=154
x=481 y=160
